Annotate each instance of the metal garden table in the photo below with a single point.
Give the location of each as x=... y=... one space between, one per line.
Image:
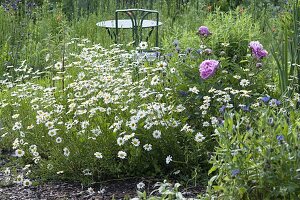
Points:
x=136 y=22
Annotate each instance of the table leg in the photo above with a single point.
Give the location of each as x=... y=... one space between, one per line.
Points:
x=111 y=34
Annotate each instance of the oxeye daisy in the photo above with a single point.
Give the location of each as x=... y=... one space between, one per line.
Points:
x=58 y=140
x=66 y=151
x=199 y=137
x=244 y=82
x=161 y=64
x=135 y=142
x=168 y=159
x=156 y=134
x=52 y=132
x=155 y=80
x=122 y=154
x=19 y=153
x=120 y=141
x=17 y=126
x=148 y=147
x=140 y=185
x=49 y=124
x=143 y=45
x=194 y=90
x=19 y=179
x=27 y=182
x=98 y=155
x=133 y=125
x=58 y=65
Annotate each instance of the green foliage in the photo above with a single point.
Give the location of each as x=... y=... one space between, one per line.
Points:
x=231 y=49
x=286 y=52
x=235 y=29
x=257 y=156
x=165 y=190
x=86 y=112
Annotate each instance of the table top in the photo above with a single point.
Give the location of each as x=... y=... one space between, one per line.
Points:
x=127 y=23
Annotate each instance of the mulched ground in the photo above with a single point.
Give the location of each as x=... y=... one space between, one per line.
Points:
x=67 y=191
x=114 y=189
x=61 y=191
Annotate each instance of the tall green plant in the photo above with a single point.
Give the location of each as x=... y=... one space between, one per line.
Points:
x=286 y=51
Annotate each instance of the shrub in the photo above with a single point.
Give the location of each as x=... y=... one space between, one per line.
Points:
x=258 y=153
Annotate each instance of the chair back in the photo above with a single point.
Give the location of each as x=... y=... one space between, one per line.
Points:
x=138 y=19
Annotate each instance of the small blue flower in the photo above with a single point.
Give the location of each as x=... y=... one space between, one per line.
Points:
x=188 y=50
x=248 y=128
x=207 y=51
x=221 y=122
x=245 y=108
x=183 y=93
x=271 y=121
x=175 y=43
x=259 y=65
x=169 y=55
x=274 y=102
x=199 y=51
x=265 y=99
x=235 y=172
x=280 y=139
x=222 y=109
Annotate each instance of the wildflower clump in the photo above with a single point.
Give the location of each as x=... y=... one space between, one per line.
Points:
x=114 y=115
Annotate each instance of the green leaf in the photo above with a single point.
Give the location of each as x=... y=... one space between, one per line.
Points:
x=218 y=188
x=242 y=191
x=214 y=168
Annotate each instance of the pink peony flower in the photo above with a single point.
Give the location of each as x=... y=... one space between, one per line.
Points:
x=208 y=68
x=203 y=31
x=257 y=50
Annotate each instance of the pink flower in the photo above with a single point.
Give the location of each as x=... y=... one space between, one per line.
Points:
x=208 y=68
x=203 y=31
x=257 y=50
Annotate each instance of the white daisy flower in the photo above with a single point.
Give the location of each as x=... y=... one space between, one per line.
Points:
x=58 y=140
x=19 y=179
x=148 y=147
x=140 y=185
x=66 y=151
x=194 y=90
x=27 y=182
x=122 y=154
x=136 y=142
x=120 y=141
x=19 y=153
x=98 y=155
x=143 y=45
x=161 y=64
x=156 y=134
x=168 y=159
x=244 y=82
x=90 y=191
x=199 y=137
